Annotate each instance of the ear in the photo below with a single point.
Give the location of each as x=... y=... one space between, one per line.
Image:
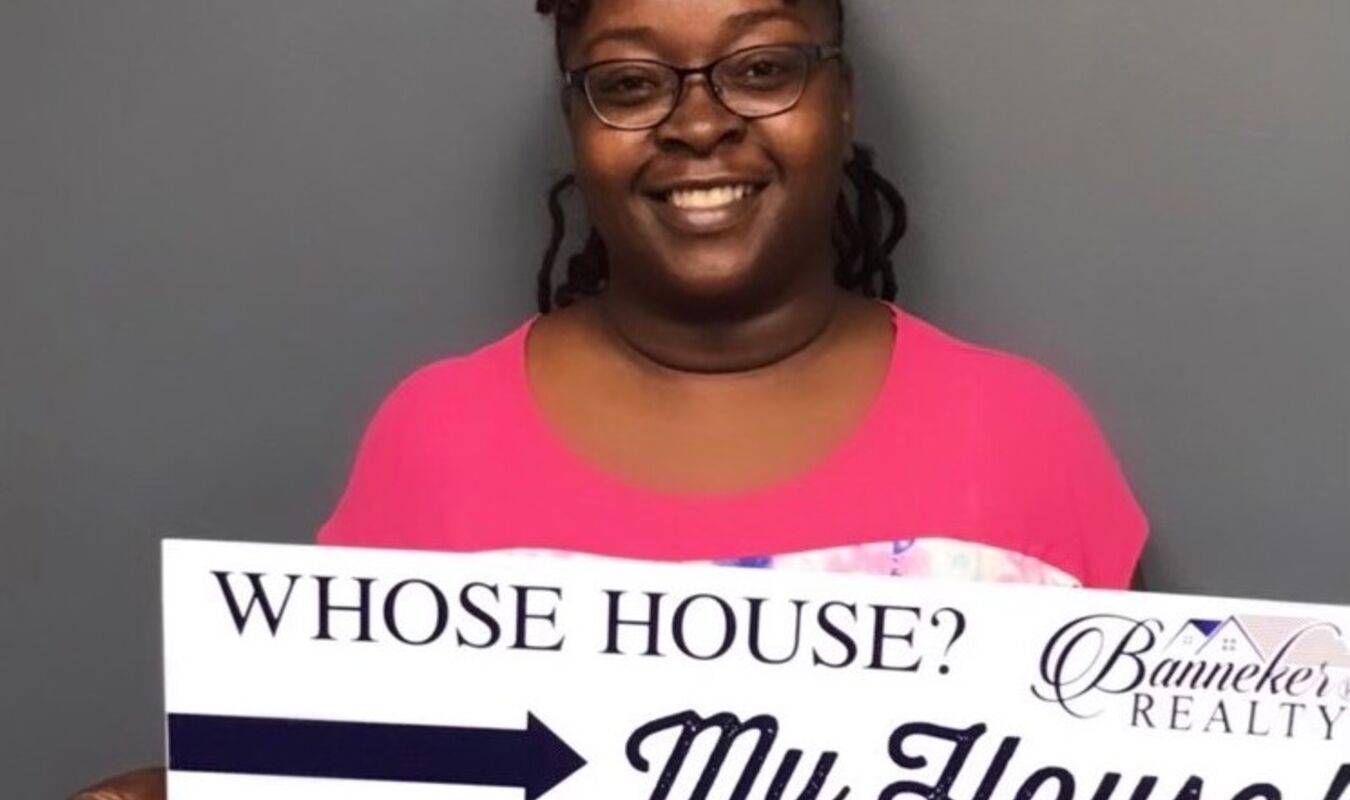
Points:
x=565 y=100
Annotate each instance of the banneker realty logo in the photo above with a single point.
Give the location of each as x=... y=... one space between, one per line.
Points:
x=1239 y=675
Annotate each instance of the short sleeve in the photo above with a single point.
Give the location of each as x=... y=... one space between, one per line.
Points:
x=395 y=495
x=1109 y=527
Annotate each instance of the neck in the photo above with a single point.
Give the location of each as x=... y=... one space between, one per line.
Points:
x=712 y=344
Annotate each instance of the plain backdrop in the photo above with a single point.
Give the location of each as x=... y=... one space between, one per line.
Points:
x=227 y=228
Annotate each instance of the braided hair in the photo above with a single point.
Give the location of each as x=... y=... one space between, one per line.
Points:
x=870 y=215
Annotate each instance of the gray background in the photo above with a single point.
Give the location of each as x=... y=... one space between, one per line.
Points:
x=226 y=228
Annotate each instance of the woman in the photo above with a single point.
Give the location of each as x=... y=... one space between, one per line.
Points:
x=720 y=375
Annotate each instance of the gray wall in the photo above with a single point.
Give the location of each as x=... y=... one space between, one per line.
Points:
x=227 y=227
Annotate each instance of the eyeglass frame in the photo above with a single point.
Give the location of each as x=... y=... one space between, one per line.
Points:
x=816 y=54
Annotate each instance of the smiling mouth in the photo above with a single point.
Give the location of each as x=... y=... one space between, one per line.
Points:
x=707 y=199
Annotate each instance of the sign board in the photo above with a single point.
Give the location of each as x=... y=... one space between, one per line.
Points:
x=305 y=672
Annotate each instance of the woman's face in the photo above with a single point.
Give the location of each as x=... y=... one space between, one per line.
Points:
x=667 y=201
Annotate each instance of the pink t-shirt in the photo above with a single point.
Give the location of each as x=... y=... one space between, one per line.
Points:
x=970 y=463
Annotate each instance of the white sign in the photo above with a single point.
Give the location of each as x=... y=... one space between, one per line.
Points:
x=305 y=672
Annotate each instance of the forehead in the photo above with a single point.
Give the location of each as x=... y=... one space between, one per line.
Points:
x=694 y=29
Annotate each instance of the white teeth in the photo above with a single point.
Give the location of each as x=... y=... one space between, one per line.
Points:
x=709 y=198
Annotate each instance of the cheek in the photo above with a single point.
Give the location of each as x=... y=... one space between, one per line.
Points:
x=812 y=160
x=606 y=162
x=811 y=141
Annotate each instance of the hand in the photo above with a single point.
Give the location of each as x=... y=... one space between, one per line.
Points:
x=146 y=784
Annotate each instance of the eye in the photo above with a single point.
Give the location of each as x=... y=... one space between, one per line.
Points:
x=763 y=68
x=627 y=84
x=766 y=70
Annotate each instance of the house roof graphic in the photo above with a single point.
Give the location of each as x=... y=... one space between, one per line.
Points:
x=1198 y=636
x=1195 y=633
x=1233 y=638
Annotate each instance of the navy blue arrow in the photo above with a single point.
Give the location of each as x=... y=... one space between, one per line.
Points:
x=534 y=759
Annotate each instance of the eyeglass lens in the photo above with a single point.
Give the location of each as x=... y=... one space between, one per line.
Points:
x=756 y=83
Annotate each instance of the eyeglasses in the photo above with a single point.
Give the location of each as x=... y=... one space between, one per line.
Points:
x=637 y=94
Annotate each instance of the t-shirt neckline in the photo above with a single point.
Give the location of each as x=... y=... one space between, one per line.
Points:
x=558 y=454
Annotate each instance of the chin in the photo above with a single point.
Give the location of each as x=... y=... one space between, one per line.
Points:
x=718 y=287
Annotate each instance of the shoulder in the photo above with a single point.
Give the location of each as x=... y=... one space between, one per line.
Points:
x=436 y=423
x=973 y=377
x=1038 y=451
x=456 y=385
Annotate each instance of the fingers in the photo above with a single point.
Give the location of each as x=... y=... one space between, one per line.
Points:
x=146 y=784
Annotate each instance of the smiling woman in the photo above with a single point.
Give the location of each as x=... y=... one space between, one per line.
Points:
x=721 y=374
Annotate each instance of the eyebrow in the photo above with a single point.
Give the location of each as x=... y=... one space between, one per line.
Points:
x=749 y=19
x=640 y=33
x=645 y=34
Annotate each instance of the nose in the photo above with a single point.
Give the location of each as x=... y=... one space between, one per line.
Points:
x=700 y=122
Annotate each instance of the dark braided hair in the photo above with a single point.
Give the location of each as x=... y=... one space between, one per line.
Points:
x=870 y=214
